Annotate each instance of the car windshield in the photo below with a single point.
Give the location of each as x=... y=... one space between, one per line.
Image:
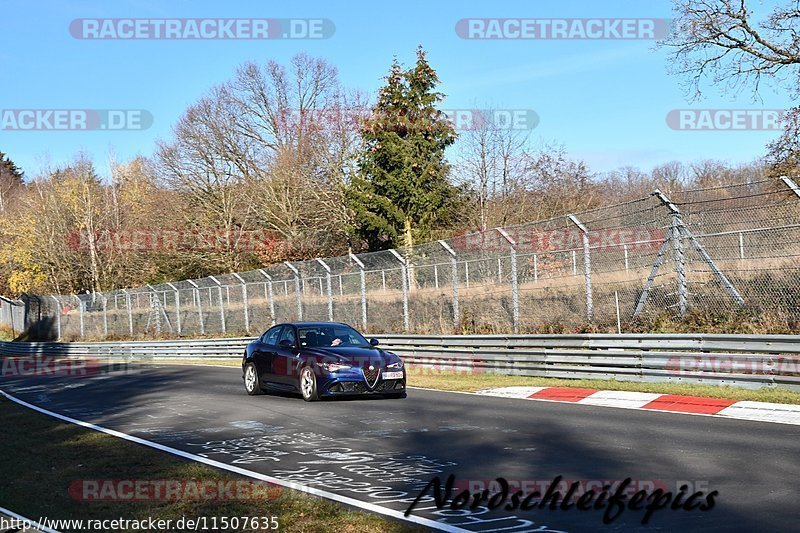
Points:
x=330 y=336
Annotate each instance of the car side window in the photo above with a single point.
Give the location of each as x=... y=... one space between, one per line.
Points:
x=288 y=335
x=271 y=336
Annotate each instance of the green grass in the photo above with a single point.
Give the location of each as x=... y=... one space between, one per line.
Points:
x=40 y=457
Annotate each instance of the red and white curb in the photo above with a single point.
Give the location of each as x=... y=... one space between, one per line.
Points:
x=672 y=403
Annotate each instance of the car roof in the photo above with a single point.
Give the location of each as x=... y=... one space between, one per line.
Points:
x=313 y=324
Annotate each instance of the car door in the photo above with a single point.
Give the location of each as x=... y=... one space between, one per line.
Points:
x=264 y=354
x=286 y=357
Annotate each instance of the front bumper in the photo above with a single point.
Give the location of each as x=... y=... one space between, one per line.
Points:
x=351 y=382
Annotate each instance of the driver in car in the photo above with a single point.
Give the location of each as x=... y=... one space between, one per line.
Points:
x=325 y=335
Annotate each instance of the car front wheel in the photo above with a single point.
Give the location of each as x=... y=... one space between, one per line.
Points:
x=251 y=384
x=308 y=385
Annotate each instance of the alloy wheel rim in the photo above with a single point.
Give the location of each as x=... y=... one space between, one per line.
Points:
x=250 y=378
x=308 y=383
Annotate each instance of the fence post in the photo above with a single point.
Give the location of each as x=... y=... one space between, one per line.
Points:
x=130 y=311
x=105 y=315
x=244 y=301
x=270 y=298
x=221 y=303
x=296 y=289
x=741 y=245
x=466 y=272
x=196 y=295
x=680 y=265
x=791 y=184
x=535 y=267
x=514 y=282
x=328 y=287
x=58 y=317
x=363 y=277
x=177 y=307
x=587 y=265
x=404 y=275
x=454 y=267
x=625 y=251
x=80 y=310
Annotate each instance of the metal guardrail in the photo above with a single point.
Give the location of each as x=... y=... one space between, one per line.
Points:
x=751 y=361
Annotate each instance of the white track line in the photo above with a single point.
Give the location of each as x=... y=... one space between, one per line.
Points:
x=248 y=473
x=27 y=521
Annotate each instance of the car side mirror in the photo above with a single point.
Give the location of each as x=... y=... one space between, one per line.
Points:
x=374 y=342
x=286 y=343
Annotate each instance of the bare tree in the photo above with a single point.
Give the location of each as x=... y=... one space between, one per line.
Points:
x=724 y=41
x=491 y=162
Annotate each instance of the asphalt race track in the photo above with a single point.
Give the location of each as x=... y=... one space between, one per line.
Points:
x=385 y=451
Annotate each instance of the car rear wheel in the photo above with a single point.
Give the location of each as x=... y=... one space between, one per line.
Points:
x=251 y=384
x=308 y=385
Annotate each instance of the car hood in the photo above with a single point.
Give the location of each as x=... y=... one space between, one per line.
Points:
x=353 y=356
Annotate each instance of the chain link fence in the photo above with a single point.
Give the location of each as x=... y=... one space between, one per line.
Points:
x=716 y=250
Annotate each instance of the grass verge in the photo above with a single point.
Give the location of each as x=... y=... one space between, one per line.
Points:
x=41 y=457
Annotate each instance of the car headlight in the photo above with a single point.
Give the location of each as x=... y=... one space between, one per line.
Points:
x=334 y=367
x=396 y=365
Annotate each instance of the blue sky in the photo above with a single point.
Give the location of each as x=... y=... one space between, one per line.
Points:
x=606 y=101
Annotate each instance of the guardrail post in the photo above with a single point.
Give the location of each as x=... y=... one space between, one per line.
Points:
x=244 y=301
x=363 y=291
x=404 y=275
x=328 y=287
x=221 y=303
x=454 y=267
x=196 y=296
x=130 y=311
x=587 y=265
x=177 y=306
x=514 y=281
x=269 y=295
x=296 y=289
x=80 y=311
x=58 y=318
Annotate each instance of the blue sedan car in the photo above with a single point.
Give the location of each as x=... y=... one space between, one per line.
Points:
x=320 y=359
